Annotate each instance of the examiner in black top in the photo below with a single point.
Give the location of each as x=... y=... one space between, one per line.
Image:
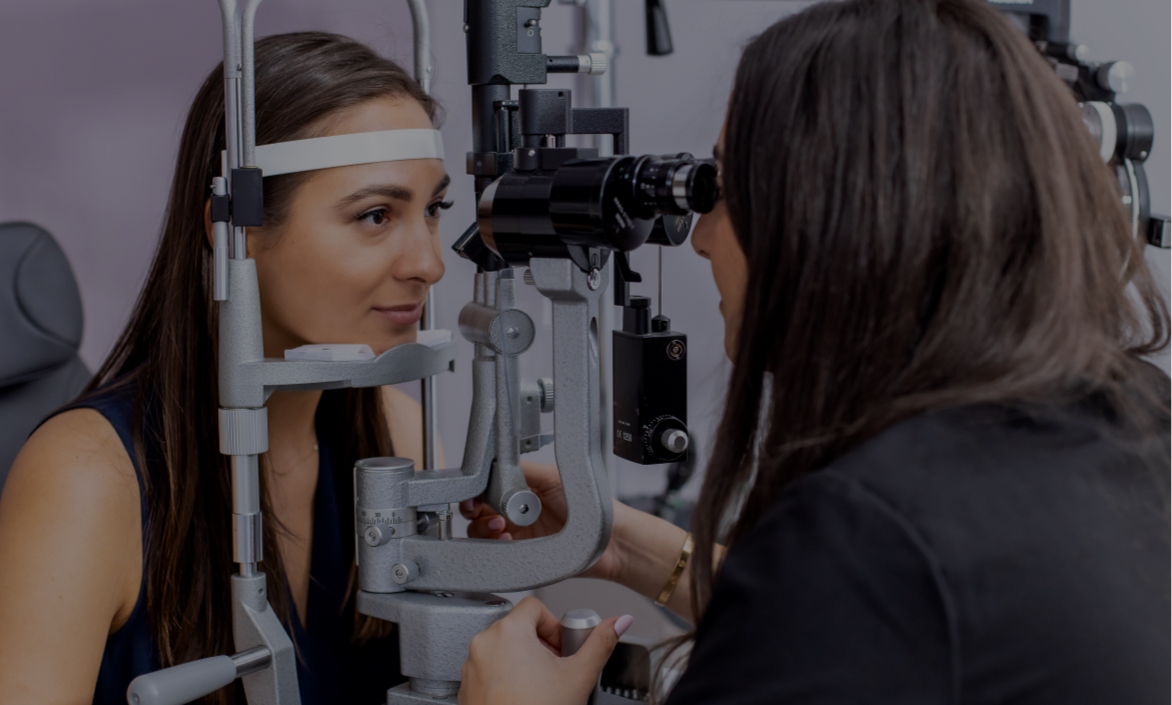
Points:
x=955 y=463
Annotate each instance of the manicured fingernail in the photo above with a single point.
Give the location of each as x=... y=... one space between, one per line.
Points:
x=496 y=523
x=506 y=536
x=466 y=505
x=623 y=624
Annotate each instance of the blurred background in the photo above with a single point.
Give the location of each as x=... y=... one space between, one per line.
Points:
x=95 y=94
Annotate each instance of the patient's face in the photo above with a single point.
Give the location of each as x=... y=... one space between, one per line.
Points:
x=715 y=240
x=360 y=247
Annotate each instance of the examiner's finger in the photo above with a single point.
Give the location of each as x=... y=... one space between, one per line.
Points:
x=533 y=612
x=471 y=508
x=487 y=527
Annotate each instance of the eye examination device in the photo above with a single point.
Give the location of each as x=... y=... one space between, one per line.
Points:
x=548 y=215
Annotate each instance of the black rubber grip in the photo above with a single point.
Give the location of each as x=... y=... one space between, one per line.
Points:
x=221 y=209
x=248 y=208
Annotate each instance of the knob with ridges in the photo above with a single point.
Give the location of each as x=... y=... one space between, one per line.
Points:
x=546 y=386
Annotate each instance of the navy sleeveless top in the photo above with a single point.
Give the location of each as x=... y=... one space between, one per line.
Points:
x=330 y=668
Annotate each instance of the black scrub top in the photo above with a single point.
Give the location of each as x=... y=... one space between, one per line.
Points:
x=983 y=554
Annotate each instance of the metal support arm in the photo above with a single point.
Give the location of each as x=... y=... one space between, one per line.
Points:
x=471 y=565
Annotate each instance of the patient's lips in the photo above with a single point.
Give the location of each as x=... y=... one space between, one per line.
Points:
x=405 y=315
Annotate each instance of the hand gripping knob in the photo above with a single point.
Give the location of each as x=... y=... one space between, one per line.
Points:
x=576 y=628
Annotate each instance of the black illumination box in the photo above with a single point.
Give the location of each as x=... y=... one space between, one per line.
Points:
x=650 y=387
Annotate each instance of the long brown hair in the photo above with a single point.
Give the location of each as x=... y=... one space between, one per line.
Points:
x=168 y=350
x=927 y=224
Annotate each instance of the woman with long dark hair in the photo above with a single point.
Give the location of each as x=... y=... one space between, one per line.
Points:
x=954 y=462
x=115 y=549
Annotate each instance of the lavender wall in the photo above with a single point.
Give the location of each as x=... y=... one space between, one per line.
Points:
x=93 y=95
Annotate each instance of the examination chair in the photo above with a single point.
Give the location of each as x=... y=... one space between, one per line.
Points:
x=40 y=331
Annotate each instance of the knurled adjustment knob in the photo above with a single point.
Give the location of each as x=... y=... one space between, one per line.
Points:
x=593 y=64
x=546 y=386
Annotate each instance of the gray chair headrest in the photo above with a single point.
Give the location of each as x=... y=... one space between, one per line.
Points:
x=40 y=306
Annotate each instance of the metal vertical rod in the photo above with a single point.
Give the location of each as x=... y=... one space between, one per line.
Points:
x=660 y=280
x=248 y=84
x=422 y=29
x=601 y=39
x=233 y=127
x=247 y=543
x=421 y=26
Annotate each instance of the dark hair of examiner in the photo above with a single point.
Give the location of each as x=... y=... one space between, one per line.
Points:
x=171 y=341
x=927 y=225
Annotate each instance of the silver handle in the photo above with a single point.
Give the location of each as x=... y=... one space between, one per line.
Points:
x=190 y=681
x=576 y=628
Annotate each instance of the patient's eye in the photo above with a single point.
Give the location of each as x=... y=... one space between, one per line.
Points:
x=374 y=216
x=433 y=210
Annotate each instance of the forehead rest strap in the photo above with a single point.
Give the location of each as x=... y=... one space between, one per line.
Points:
x=348 y=150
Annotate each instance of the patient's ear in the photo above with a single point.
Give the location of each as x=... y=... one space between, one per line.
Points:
x=207 y=223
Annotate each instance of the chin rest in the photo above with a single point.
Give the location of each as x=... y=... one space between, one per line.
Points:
x=40 y=332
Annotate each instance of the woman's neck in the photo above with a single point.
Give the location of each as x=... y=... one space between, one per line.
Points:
x=291 y=425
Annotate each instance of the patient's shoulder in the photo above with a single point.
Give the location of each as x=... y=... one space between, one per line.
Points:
x=77 y=460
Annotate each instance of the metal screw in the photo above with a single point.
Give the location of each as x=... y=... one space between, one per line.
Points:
x=524 y=508
x=594 y=279
x=512 y=332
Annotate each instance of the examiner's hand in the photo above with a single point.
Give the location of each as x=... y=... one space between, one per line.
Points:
x=518 y=660
x=543 y=480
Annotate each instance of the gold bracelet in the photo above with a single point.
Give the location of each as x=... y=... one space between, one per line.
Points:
x=681 y=563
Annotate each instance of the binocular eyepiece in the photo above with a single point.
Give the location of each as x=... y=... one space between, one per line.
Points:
x=617 y=203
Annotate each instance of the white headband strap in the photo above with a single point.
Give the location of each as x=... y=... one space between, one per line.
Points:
x=348 y=150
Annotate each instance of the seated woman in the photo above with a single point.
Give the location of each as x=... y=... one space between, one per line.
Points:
x=954 y=463
x=115 y=544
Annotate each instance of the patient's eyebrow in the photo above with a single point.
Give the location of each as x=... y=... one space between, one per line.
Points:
x=401 y=193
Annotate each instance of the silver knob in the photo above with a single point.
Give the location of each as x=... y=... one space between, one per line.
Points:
x=593 y=63
x=675 y=440
x=378 y=534
x=546 y=386
x=523 y=508
x=404 y=572
x=1079 y=52
x=1116 y=76
x=576 y=628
